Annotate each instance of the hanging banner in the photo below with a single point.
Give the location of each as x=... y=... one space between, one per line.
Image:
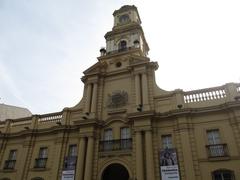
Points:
x=68 y=175
x=169 y=164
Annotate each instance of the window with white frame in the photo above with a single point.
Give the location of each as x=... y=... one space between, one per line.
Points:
x=125 y=133
x=10 y=162
x=12 y=155
x=167 y=141
x=72 y=151
x=213 y=136
x=108 y=135
x=42 y=152
x=215 y=147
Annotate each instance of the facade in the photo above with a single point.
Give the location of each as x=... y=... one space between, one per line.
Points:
x=125 y=126
x=13 y=112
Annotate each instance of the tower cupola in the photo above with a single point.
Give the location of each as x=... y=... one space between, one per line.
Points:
x=127 y=34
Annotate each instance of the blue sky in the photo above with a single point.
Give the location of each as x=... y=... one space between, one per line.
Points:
x=46 y=45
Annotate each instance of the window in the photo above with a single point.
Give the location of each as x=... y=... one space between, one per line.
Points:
x=126 y=142
x=71 y=160
x=43 y=152
x=108 y=137
x=41 y=161
x=215 y=147
x=213 y=136
x=124 y=18
x=122 y=46
x=72 y=150
x=125 y=133
x=167 y=141
x=223 y=175
x=10 y=163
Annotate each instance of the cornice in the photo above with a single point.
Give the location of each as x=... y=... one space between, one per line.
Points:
x=143 y=114
x=195 y=111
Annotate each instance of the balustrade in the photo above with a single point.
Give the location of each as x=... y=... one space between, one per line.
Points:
x=55 y=117
x=204 y=95
x=114 y=145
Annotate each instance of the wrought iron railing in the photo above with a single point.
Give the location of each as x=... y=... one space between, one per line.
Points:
x=9 y=164
x=40 y=163
x=115 y=145
x=217 y=150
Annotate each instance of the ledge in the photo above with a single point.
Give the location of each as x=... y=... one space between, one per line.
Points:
x=8 y=170
x=224 y=158
x=117 y=111
x=115 y=153
x=40 y=169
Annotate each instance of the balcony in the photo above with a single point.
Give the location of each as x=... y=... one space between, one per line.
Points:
x=217 y=150
x=40 y=163
x=115 y=145
x=9 y=164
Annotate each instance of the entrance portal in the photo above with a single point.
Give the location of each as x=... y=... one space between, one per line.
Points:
x=115 y=172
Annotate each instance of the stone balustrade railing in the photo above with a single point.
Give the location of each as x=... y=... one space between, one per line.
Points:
x=205 y=95
x=33 y=122
x=53 y=117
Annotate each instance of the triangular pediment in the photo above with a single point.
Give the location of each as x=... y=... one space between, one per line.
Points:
x=96 y=68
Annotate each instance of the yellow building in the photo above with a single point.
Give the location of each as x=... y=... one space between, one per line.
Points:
x=125 y=126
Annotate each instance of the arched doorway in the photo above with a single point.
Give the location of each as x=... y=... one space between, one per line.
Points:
x=116 y=172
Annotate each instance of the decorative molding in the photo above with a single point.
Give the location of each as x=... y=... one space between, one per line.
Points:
x=118 y=98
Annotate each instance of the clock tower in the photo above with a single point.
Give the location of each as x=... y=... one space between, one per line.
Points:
x=127 y=33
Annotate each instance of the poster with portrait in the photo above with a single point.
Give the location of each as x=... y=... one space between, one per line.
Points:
x=169 y=164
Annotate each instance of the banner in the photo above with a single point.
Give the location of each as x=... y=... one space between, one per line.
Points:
x=169 y=164
x=68 y=175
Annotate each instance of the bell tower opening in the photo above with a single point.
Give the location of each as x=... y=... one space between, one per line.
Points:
x=116 y=172
x=122 y=46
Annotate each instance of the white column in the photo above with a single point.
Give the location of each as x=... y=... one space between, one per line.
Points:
x=149 y=156
x=94 y=98
x=88 y=98
x=81 y=158
x=89 y=160
x=139 y=156
x=144 y=89
x=137 y=89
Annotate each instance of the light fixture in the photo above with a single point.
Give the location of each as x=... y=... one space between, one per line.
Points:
x=139 y=108
x=59 y=123
x=179 y=106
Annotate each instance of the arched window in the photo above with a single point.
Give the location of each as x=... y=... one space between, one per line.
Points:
x=122 y=46
x=223 y=174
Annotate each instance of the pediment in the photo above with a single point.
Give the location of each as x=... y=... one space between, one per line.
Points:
x=113 y=119
x=96 y=68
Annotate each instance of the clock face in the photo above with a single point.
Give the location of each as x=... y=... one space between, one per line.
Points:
x=124 y=18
